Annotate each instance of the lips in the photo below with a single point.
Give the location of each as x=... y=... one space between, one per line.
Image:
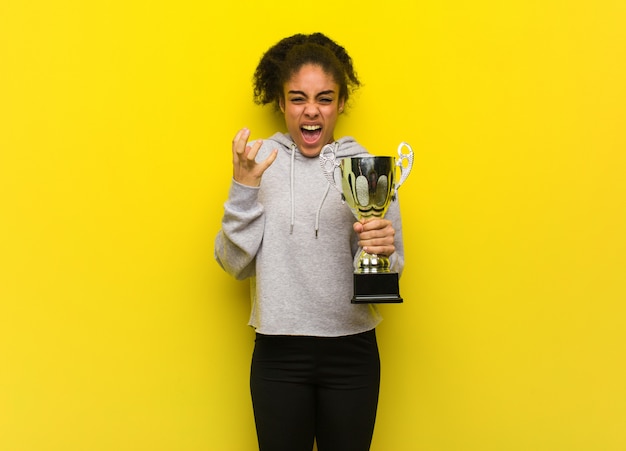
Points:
x=311 y=133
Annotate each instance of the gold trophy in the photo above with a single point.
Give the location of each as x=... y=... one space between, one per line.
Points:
x=368 y=187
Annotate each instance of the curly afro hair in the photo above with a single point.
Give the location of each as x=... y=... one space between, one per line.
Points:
x=286 y=57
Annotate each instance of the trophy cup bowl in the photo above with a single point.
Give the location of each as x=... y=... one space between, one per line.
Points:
x=368 y=186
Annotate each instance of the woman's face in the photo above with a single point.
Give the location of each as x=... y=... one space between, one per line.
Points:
x=311 y=105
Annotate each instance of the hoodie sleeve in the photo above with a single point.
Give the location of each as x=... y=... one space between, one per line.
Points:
x=240 y=237
x=397 y=258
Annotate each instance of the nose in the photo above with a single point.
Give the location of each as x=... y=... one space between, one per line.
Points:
x=310 y=110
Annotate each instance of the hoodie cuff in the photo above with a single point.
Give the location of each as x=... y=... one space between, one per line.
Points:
x=242 y=197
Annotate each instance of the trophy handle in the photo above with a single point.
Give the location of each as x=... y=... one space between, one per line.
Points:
x=329 y=163
x=404 y=171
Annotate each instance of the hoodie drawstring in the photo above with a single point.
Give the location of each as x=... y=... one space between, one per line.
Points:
x=319 y=209
x=291 y=190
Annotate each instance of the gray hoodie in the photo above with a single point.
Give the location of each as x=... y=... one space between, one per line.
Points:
x=293 y=237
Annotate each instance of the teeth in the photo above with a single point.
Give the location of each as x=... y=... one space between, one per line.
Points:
x=311 y=127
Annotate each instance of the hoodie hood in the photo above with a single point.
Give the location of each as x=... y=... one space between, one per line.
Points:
x=346 y=146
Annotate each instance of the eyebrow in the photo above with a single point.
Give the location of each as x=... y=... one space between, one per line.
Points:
x=323 y=93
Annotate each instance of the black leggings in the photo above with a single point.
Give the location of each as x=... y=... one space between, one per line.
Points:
x=315 y=387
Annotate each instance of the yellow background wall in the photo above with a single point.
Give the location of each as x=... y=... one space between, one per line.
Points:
x=119 y=332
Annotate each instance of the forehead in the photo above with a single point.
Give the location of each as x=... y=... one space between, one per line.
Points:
x=311 y=78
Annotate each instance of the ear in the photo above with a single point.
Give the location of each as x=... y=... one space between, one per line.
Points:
x=342 y=103
x=281 y=104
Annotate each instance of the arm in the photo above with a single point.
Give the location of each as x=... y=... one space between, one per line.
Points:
x=241 y=234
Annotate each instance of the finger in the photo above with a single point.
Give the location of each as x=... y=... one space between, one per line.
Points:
x=240 y=141
x=368 y=224
x=252 y=151
x=380 y=250
x=376 y=229
x=269 y=160
x=375 y=224
x=378 y=238
x=381 y=237
x=382 y=241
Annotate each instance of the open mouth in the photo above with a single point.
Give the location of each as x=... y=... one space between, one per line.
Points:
x=311 y=133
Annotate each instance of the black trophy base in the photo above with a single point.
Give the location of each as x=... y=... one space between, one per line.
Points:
x=376 y=288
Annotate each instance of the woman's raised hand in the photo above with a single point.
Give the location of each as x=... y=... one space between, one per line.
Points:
x=246 y=170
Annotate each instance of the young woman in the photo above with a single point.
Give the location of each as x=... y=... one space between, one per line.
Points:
x=315 y=368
